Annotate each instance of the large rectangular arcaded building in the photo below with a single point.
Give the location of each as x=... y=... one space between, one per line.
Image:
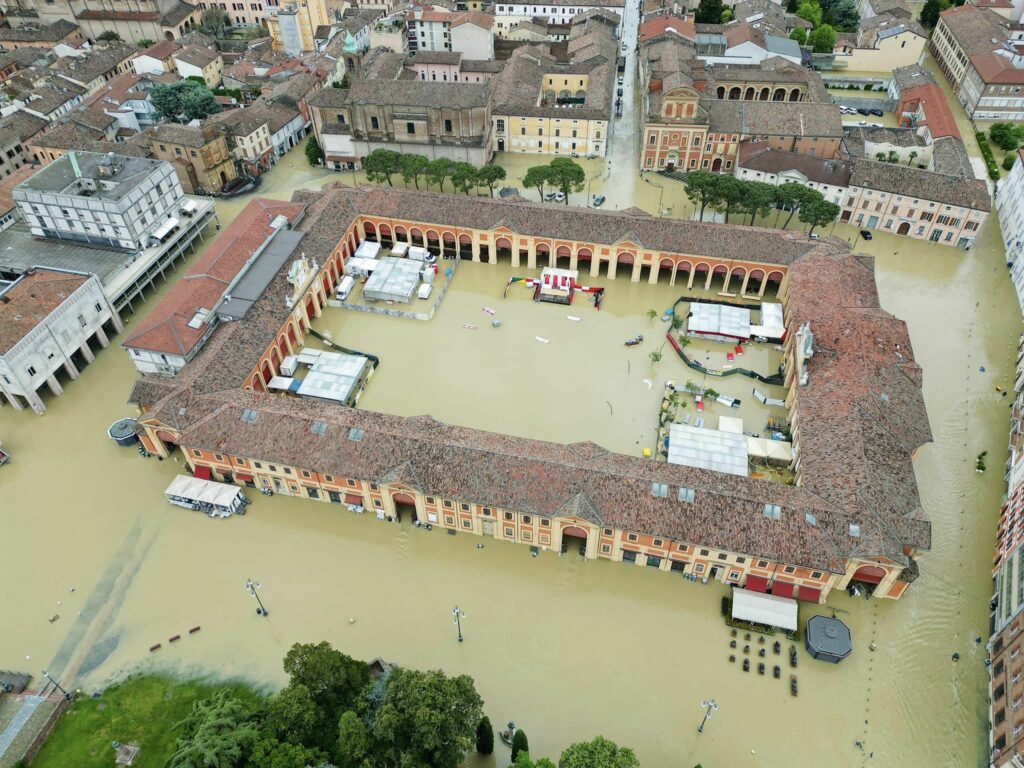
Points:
x=854 y=403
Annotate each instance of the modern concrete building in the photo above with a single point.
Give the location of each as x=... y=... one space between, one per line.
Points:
x=857 y=411
x=47 y=320
x=1010 y=207
x=108 y=201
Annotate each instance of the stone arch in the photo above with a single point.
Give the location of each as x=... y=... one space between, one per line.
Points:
x=267 y=372
x=721 y=92
x=794 y=95
x=465 y=247
x=581 y=94
x=625 y=257
x=416 y=236
x=448 y=243
x=734 y=93
x=401 y=233
x=371 y=231
x=765 y=94
x=503 y=242
x=748 y=95
x=775 y=277
x=870 y=574
x=779 y=95
x=584 y=254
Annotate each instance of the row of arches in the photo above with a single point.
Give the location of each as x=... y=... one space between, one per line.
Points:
x=737 y=93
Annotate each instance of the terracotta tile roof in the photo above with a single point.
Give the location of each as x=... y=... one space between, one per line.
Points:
x=66 y=135
x=974 y=29
x=861 y=414
x=162 y=50
x=483 y=20
x=8 y=183
x=173 y=133
x=757 y=156
x=165 y=329
x=997 y=69
x=937 y=187
x=775 y=118
x=197 y=56
x=42 y=33
x=667 y=24
x=931 y=99
x=27 y=303
x=100 y=15
x=20 y=126
x=98 y=62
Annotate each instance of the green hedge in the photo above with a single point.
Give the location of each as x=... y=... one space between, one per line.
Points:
x=986 y=152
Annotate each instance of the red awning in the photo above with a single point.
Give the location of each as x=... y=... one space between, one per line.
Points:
x=808 y=594
x=243 y=478
x=757 y=583
x=203 y=473
x=351 y=498
x=782 y=589
x=870 y=574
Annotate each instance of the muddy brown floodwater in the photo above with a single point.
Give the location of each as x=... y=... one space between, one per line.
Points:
x=566 y=648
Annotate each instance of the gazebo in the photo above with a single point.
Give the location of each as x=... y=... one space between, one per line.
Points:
x=828 y=639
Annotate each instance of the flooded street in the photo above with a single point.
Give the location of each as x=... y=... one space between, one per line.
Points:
x=629 y=651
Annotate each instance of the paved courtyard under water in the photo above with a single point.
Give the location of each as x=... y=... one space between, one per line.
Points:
x=567 y=648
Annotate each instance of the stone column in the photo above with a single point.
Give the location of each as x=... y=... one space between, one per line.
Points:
x=86 y=351
x=72 y=371
x=475 y=247
x=13 y=400
x=764 y=284
x=613 y=264
x=725 y=283
x=54 y=385
x=36 y=402
x=115 y=318
x=595 y=265
x=743 y=288
x=104 y=341
x=634 y=275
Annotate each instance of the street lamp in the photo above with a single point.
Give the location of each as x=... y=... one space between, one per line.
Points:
x=711 y=706
x=56 y=685
x=251 y=588
x=459 y=615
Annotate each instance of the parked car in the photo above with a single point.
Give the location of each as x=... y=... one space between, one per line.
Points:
x=559 y=197
x=865 y=234
x=618 y=91
x=549 y=196
x=598 y=200
x=875 y=112
x=621 y=80
x=591 y=155
x=847 y=110
x=862 y=111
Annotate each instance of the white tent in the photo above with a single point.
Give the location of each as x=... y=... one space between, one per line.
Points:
x=367 y=250
x=721 y=322
x=772 y=325
x=764 y=609
x=730 y=424
x=707 y=449
x=220 y=495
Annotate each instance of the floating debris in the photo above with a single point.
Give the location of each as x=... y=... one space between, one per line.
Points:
x=489 y=311
x=542 y=340
x=470 y=326
x=573 y=318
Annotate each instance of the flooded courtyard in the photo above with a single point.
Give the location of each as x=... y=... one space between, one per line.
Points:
x=565 y=647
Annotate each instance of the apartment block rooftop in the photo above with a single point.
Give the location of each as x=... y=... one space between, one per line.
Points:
x=91 y=174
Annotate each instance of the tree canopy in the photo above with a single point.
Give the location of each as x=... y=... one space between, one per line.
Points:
x=108 y=35
x=930 y=12
x=215 y=21
x=186 y=97
x=841 y=15
x=427 y=719
x=809 y=10
x=598 y=753
x=567 y=175
x=1007 y=136
x=490 y=175
x=218 y=732
x=333 y=679
x=537 y=176
x=412 y=167
x=822 y=39
x=485 y=736
x=818 y=213
x=314 y=154
x=709 y=12
x=381 y=164
x=438 y=170
x=464 y=177
x=799 y=34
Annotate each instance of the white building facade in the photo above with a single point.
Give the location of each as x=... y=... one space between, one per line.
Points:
x=1010 y=207
x=508 y=15
x=77 y=310
x=106 y=200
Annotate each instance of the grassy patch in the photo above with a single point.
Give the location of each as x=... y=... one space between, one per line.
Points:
x=142 y=710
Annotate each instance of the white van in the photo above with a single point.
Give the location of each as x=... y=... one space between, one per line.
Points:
x=345 y=287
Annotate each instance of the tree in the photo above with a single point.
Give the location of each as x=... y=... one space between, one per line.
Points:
x=485 y=737
x=1006 y=136
x=758 y=199
x=427 y=719
x=438 y=170
x=726 y=16
x=108 y=35
x=794 y=196
x=520 y=744
x=294 y=716
x=271 y=753
x=822 y=39
x=880 y=157
x=841 y=15
x=215 y=21
x=1008 y=162
x=217 y=732
x=912 y=156
x=314 y=155
x=930 y=12
x=144 y=43
x=198 y=103
x=655 y=356
x=599 y=753
x=187 y=97
x=523 y=760
x=464 y=177
x=334 y=679
x=728 y=195
x=381 y=164
x=892 y=157
x=354 y=741
x=490 y=175
x=809 y=10
x=567 y=175
x=709 y=12
x=412 y=166
x=537 y=176
x=818 y=213
x=799 y=34
x=700 y=186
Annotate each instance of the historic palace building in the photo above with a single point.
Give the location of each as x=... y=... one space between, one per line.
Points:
x=854 y=402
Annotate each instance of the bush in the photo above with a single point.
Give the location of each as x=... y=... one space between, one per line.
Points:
x=1008 y=162
x=726 y=606
x=519 y=744
x=986 y=152
x=485 y=737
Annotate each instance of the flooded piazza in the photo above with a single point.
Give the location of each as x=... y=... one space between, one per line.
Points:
x=567 y=648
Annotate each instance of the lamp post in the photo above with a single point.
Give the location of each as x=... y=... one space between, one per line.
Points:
x=711 y=706
x=57 y=685
x=458 y=615
x=251 y=588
